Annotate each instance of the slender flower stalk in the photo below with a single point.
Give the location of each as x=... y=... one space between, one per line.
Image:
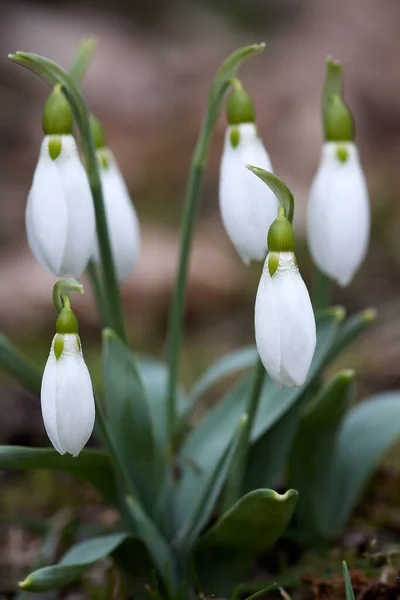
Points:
x=221 y=83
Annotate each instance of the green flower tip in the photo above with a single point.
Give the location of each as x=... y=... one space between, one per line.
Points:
x=338 y=312
x=234 y=137
x=342 y=154
x=280 y=234
x=97 y=132
x=57 y=114
x=369 y=315
x=243 y=420
x=239 y=108
x=338 y=121
x=67 y=321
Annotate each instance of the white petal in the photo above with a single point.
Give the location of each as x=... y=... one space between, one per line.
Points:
x=121 y=218
x=284 y=323
x=247 y=205
x=267 y=325
x=339 y=214
x=48 y=399
x=81 y=219
x=75 y=409
x=296 y=318
x=46 y=213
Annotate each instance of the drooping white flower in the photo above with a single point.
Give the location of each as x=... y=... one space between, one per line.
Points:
x=339 y=213
x=67 y=396
x=122 y=221
x=247 y=205
x=60 y=222
x=284 y=318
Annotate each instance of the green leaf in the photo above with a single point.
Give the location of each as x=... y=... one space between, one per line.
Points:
x=210 y=439
x=366 y=433
x=279 y=187
x=347 y=583
x=202 y=509
x=155 y=543
x=91 y=465
x=314 y=445
x=82 y=58
x=129 y=415
x=19 y=366
x=231 y=363
x=253 y=524
x=74 y=564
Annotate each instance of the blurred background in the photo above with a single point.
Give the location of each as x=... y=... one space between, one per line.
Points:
x=148 y=83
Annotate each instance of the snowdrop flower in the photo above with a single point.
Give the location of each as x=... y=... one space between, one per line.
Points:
x=60 y=221
x=123 y=224
x=339 y=213
x=284 y=318
x=67 y=394
x=248 y=207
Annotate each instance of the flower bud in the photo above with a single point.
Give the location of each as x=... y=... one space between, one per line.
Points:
x=60 y=221
x=247 y=205
x=122 y=221
x=284 y=321
x=338 y=221
x=66 y=394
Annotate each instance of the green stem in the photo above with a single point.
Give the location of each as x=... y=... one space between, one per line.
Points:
x=19 y=366
x=222 y=80
x=97 y=292
x=234 y=486
x=322 y=288
x=53 y=73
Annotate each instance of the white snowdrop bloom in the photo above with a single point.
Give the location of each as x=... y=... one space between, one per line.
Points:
x=284 y=318
x=339 y=213
x=67 y=396
x=60 y=221
x=247 y=205
x=122 y=221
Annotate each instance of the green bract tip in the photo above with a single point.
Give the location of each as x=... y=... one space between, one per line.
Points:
x=57 y=114
x=239 y=108
x=97 y=132
x=280 y=234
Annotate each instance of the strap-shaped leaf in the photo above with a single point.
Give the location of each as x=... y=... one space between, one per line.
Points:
x=347 y=583
x=366 y=433
x=314 y=445
x=351 y=330
x=91 y=465
x=231 y=363
x=209 y=441
x=19 y=366
x=74 y=564
x=253 y=524
x=129 y=415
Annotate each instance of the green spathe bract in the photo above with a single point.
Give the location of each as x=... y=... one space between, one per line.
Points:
x=163 y=475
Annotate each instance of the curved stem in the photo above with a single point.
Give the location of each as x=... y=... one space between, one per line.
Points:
x=61 y=291
x=222 y=80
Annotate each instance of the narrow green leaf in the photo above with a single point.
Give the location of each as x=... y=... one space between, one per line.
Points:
x=213 y=485
x=279 y=187
x=261 y=592
x=366 y=433
x=74 y=564
x=235 y=361
x=347 y=583
x=351 y=330
x=210 y=439
x=253 y=524
x=82 y=58
x=129 y=415
x=155 y=543
x=91 y=465
x=314 y=446
x=19 y=366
